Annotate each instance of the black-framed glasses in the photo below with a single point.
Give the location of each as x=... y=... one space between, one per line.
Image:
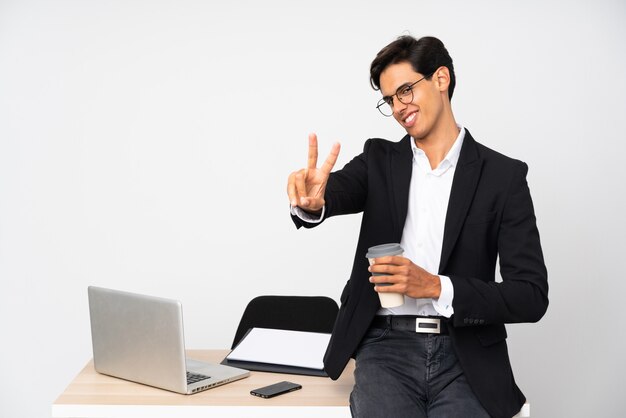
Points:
x=404 y=95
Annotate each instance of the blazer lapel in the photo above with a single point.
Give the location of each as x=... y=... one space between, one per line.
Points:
x=464 y=184
x=400 y=168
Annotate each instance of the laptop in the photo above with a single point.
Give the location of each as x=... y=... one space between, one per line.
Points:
x=140 y=338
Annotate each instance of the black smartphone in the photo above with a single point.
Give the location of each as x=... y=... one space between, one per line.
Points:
x=275 y=389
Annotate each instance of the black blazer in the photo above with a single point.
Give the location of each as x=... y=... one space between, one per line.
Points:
x=490 y=213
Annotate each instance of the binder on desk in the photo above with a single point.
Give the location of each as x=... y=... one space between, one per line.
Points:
x=280 y=351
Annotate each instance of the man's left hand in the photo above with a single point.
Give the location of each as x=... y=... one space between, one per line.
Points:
x=406 y=278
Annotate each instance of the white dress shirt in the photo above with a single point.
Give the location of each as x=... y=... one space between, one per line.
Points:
x=422 y=236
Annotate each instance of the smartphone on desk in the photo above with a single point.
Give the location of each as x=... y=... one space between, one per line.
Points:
x=275 y=389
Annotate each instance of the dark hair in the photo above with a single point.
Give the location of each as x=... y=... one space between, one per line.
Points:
x=425 y=55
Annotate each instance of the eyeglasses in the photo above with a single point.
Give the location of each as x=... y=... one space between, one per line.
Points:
x=404 y=95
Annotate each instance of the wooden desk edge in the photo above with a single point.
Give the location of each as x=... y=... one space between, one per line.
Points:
x=91 y=394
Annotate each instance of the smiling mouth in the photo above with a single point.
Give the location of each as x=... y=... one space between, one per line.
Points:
x=410 y=119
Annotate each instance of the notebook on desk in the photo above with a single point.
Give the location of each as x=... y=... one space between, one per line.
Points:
x=140 y=338
x=281 y=351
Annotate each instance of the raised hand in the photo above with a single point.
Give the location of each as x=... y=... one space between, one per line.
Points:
x=306 y=187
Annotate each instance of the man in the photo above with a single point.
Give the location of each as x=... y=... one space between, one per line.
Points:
x=455 y=206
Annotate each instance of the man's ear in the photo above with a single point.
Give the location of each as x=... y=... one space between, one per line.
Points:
x=442 y=79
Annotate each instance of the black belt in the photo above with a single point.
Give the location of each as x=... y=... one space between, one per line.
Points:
x=421 y=324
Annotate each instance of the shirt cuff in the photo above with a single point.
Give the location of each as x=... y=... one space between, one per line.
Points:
x=308 y=217
x=443 y=305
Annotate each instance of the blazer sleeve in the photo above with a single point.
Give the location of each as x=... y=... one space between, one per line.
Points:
x=346 y=191
x=522 y=296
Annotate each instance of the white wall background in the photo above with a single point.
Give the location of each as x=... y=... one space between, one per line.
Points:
x=145 y=146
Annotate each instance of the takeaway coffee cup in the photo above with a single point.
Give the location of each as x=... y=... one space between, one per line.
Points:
x=387 y=300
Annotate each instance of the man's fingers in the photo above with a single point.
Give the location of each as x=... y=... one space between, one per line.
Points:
x=392 y=259
x=384 y=278
x=384 y=268
x=291 y=190
x=384 y=284
x=390 y=269
x=312 y=203
x=331 y=159
x=312 y=162
x=300 y=188
x=395 y=288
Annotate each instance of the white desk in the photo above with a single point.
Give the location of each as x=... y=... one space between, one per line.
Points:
x=93 y=395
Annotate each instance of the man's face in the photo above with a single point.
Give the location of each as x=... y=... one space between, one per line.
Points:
x=420 y=116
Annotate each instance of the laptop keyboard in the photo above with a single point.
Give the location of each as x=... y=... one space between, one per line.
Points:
x=195 y=377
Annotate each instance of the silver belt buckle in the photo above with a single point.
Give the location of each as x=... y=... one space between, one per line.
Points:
x=428 y=325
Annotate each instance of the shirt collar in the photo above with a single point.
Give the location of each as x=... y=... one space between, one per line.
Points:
x=451 y=158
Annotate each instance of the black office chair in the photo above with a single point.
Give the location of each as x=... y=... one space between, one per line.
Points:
x=294 y=313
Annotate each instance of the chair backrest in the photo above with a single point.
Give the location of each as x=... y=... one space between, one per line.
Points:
x=295 y=313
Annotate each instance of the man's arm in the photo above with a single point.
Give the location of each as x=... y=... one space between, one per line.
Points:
x=310 y=218
x=522 y=296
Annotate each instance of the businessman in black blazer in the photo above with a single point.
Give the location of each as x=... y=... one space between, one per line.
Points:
x=455 y=206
